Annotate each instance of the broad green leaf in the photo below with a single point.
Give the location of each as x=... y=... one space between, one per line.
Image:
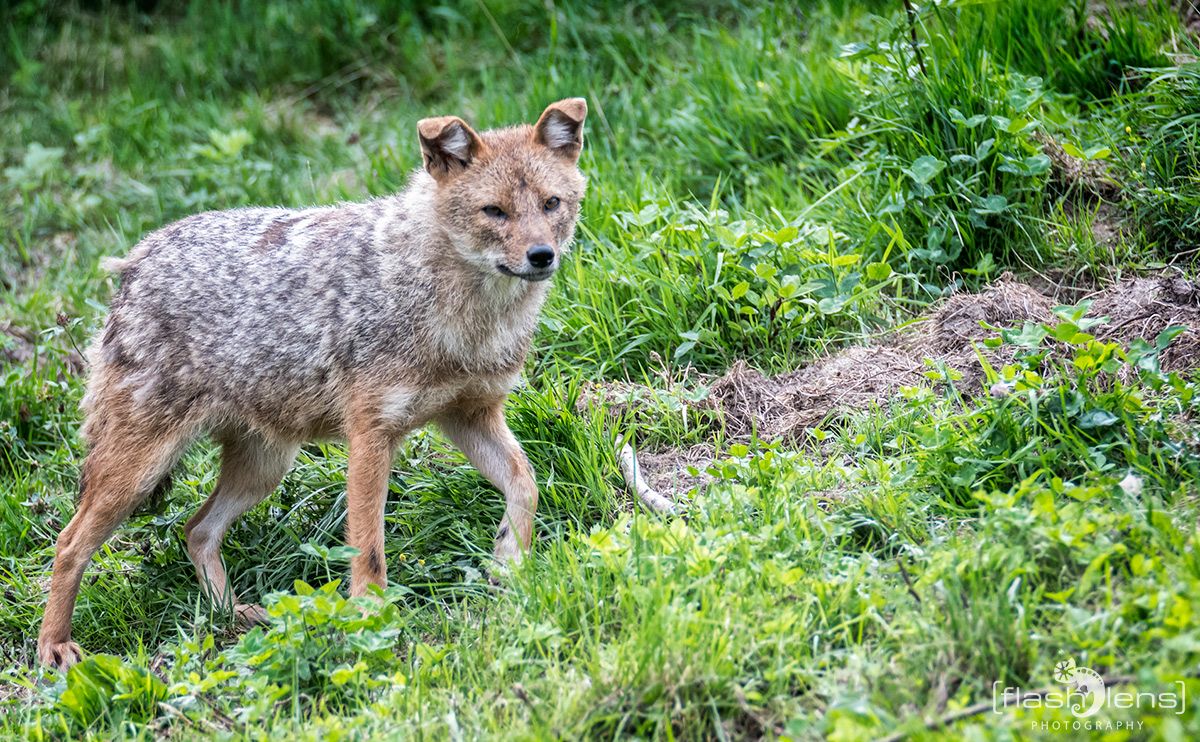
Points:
x=765 y=271
x=787 y=234
x=925 y=169
x=1030 y=335
x=1165 y=337
x=995 y=204
x=1065 y=331
x=1072 y=150
x=1037 y=164
x=1093 y=419
x=831 y=305
x=878 y=271
x=1019 y=124
x=345 y=673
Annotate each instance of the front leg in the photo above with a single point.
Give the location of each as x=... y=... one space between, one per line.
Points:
x=366 y=495
x=481 y=433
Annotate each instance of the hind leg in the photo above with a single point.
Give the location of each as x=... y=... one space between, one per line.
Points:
x=122 y=469
x=251 y=467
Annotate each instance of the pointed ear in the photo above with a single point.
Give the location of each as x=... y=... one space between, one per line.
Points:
x=561 y=127
x=448 y=145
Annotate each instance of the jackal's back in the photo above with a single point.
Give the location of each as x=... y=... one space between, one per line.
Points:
x=257 y=311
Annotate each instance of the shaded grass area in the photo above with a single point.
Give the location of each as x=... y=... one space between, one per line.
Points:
x=768 y=181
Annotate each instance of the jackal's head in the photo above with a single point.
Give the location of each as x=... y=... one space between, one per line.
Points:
x=508 y=198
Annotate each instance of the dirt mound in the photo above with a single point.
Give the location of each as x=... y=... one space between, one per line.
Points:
x=1007 y=303
x=784 y=406
x=856 y=378
x=860 y=377
x=953 y=334
x=1144 y=307
x=1091 y=180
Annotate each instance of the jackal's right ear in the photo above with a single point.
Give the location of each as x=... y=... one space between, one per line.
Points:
x=448 y=145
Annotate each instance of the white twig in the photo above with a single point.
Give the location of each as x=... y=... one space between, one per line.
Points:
x=633 y=478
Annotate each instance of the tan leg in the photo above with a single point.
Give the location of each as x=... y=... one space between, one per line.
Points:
x=251 y=468
x=366 y=495
x=121 y=470
x=483 y=435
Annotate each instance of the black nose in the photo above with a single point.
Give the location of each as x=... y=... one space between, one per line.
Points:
x=540 y=256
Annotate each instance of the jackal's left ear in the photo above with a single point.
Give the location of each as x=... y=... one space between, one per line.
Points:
x=448 y=145
x=561 y=127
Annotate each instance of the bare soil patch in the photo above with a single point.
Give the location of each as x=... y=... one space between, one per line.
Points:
x=669 y=471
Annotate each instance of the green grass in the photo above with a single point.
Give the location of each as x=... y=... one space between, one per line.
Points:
x=768 y=182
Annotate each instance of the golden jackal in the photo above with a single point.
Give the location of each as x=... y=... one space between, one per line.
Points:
x=271 y=327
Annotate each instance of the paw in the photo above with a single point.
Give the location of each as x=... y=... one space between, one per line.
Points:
x=505 y=560
x=508 y=551
x=59 y=655
x=249 y=614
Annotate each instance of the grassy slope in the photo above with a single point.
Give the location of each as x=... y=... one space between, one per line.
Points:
x=766 y=183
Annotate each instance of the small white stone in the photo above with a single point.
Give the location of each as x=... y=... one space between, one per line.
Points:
x=1001 y=389
x=1131 y=485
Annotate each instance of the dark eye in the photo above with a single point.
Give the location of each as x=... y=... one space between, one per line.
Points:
x=551 y=203
x=494 y=211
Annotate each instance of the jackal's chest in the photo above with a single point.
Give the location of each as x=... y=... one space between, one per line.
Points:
x=409 y=405
x=484 y=342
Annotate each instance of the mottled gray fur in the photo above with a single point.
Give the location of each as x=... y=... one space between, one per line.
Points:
x=267 y=316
